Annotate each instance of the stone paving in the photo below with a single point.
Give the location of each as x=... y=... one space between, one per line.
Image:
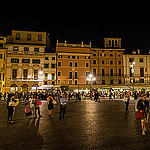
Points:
x=88 y=125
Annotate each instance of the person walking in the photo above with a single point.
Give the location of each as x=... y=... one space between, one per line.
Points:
x=143 y=107
x=127 y=97
x=50 y=105
x=31 y=105
x=63 y=104
x=37 y=108
x=136 y=96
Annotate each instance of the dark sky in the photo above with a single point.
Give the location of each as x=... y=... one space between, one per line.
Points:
x=77 y=21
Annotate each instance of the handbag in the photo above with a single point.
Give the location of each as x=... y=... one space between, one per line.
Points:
x=54 y=102
x=28 y=112
x=140 y=115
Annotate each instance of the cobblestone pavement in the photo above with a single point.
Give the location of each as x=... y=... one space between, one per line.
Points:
x=88 y=125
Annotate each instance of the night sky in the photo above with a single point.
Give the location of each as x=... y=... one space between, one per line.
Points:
x=77 y=21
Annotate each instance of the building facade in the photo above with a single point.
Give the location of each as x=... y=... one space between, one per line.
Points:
x=25 y=60
x=107 y=63
x=2 y=64
x=73 y=64
x=137 y=70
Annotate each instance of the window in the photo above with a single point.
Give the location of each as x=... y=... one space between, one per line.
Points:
x=111 y=55
x=4 y=57
x=116 y=43
x=103 y=50
x=87 y=64
x=119 y=72
x=130 y=59
x=26 y=48
x=36 y=49
x=94 y=55
x=53 y=58
x=76 y=82
x=103 y=72
x=94 y=72
x=77 y=57
x=70 y=75
x=40 y=37
x=111 y=72
x=0 y=76
x=111 y=62
x=76 y=64
x=76 y=75
x=119 y=55
x=103 y=62
x=1 y=56
x=15 y=48
x=141 y=59
x=131 y=73
x=59 y=82
x=59 y=56
x=141 y=80
x=36 y=61
x=86 y=57
x=14 y=73
x=25 y=60
x=111 y=81
x=119 y=81
x=29 y=37
x=46 y=58
x=17 y=36
x=53 y=65
x=3 y=76
x=59 y=73
x=70 y=64
x=46 y=76
x=141 y=72
x=73 y=57
x=68 y=56
x=35 y=74
x=46 y=65
x=53 y=82
x=119 y=62
x=94 y=61
x=70 y=81
x=14 y=60
x=59 y=64
x=25 y=73
x=87 y=74
x=110 y=42
x=53 y=76
x=103 y=81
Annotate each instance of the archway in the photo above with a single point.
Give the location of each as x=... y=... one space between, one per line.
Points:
x=24 y=88
x=13 y=88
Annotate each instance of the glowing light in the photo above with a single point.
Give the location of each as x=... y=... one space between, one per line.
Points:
x=94 y=79
x=41 y=72
x=88 y=79
x=133 y=63
x=131 y=66
x=90 y=75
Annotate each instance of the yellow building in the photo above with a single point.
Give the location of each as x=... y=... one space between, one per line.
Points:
x=73 y=64
x=107 y=63
x=25 y=60
x=2 y=63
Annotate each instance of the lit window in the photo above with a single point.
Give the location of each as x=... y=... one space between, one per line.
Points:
x=40 y=37
x=17 y=36
x=29 y=37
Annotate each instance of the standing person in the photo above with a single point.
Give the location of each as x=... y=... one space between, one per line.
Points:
x=50 y=105
x=63 y=104
x=37 y=107
x=31 y=105
x=10 y=108
x=136 y=100
x=143 y=106
x=127 y=96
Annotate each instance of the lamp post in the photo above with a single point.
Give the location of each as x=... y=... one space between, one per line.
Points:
x=132 y=71
x=90 y=79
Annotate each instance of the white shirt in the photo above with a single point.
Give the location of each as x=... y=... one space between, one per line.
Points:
x=63 y=101
x=31 y=102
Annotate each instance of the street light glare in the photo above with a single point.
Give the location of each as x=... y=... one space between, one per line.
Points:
x=90 y=75
x=88 y=79
x=133 y=63
x=94 y=79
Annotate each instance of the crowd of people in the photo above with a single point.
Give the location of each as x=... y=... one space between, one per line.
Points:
x=141 y=104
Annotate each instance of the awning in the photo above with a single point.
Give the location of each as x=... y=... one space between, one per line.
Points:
x=45 y=87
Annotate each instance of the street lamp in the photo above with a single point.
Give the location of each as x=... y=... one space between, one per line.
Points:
x=132 y=71
x=90 y=79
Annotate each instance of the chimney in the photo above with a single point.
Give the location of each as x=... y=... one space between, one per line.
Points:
x=138 y=51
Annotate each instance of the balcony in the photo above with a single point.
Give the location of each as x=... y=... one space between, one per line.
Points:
x=25 y=79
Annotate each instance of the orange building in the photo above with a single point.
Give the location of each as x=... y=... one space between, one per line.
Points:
x=107 y=63
x=73 y=64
